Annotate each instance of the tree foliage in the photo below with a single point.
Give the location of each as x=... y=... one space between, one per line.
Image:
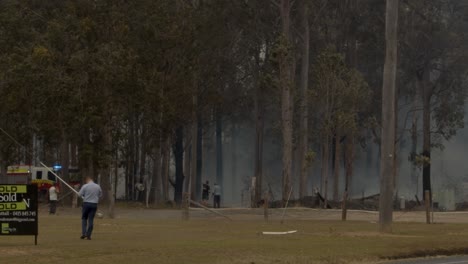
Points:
x=117 y=80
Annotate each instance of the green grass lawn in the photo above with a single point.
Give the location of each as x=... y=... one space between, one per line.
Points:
x=218 y=241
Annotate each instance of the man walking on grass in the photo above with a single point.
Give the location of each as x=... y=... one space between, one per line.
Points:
x=91 y=193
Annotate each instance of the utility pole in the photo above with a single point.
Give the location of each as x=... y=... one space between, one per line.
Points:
x=387 y=161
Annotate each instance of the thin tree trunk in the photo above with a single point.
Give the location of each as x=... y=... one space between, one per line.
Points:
x=64 y=160
x=116 y=174
x=105 y=183
x=351 y=58
x=73 y=156
x=325 y=165
x=166 y=158
x=234 y=160
x=286 y=81
x=65 y=157
x=396 y=148
x=144 y=178
x=199 y=156
x=326 y=147
x=414 y=142
x=148 y=181
x=259 y=127
x=136 y=164
x=427 y=146
x=131 y=160
x=193 y=173
x=304 y=111
x=388 y=118
x=90 y=164
x=85 y=160
x=106 y=177
x=105 y=173
x=336 y=169
x=157 y=179
x=128 y=194
x=187 y=159
x=425 y=89
x=179 y=165
x=219 y=150
x=349 y=161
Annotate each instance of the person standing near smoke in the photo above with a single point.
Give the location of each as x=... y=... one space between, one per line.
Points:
x=217 y=196
x=91 y=193
x=53 y=198
x=206 y=191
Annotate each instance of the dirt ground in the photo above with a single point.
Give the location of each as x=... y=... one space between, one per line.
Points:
x=139 y=235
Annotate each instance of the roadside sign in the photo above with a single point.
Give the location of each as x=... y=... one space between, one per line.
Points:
x=18 y=210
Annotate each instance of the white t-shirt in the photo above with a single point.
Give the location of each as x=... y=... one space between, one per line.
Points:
x=52 y=194
x=217 y=190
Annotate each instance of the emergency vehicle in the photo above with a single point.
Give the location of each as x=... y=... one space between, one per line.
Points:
x=24 y=174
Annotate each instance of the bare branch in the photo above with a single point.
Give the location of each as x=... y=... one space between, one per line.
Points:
x=275 y=3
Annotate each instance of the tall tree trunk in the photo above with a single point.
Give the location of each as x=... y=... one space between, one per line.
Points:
x=157 y=175
x=427 y=146
x=396 y=149
x=388 y=118
x=179 y=164
x=285 y=72
x=65 y=157
x=325 y=166
x=128 y=194
x=371 y=157
x=73 y=155
x=136 y=164
x=351 y=59
x=131 y=159
x=144 y=178
x=106 y=176
x=86 y=159
x=194 y=160
x=349 y=161
x=425 y=88
x=259 y=127
x=414 y=142
x=336 y=169
x=219 y=150
x=234 y=160
x=187 y=159
x=64 y=161
x=116 y=175
x=326 y=148
x=127 y=178
x=304 y=111
x=199 y=156
x=108 y=192
x=166 y=158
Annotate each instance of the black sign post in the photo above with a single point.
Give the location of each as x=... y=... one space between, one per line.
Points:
x=18 y=210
